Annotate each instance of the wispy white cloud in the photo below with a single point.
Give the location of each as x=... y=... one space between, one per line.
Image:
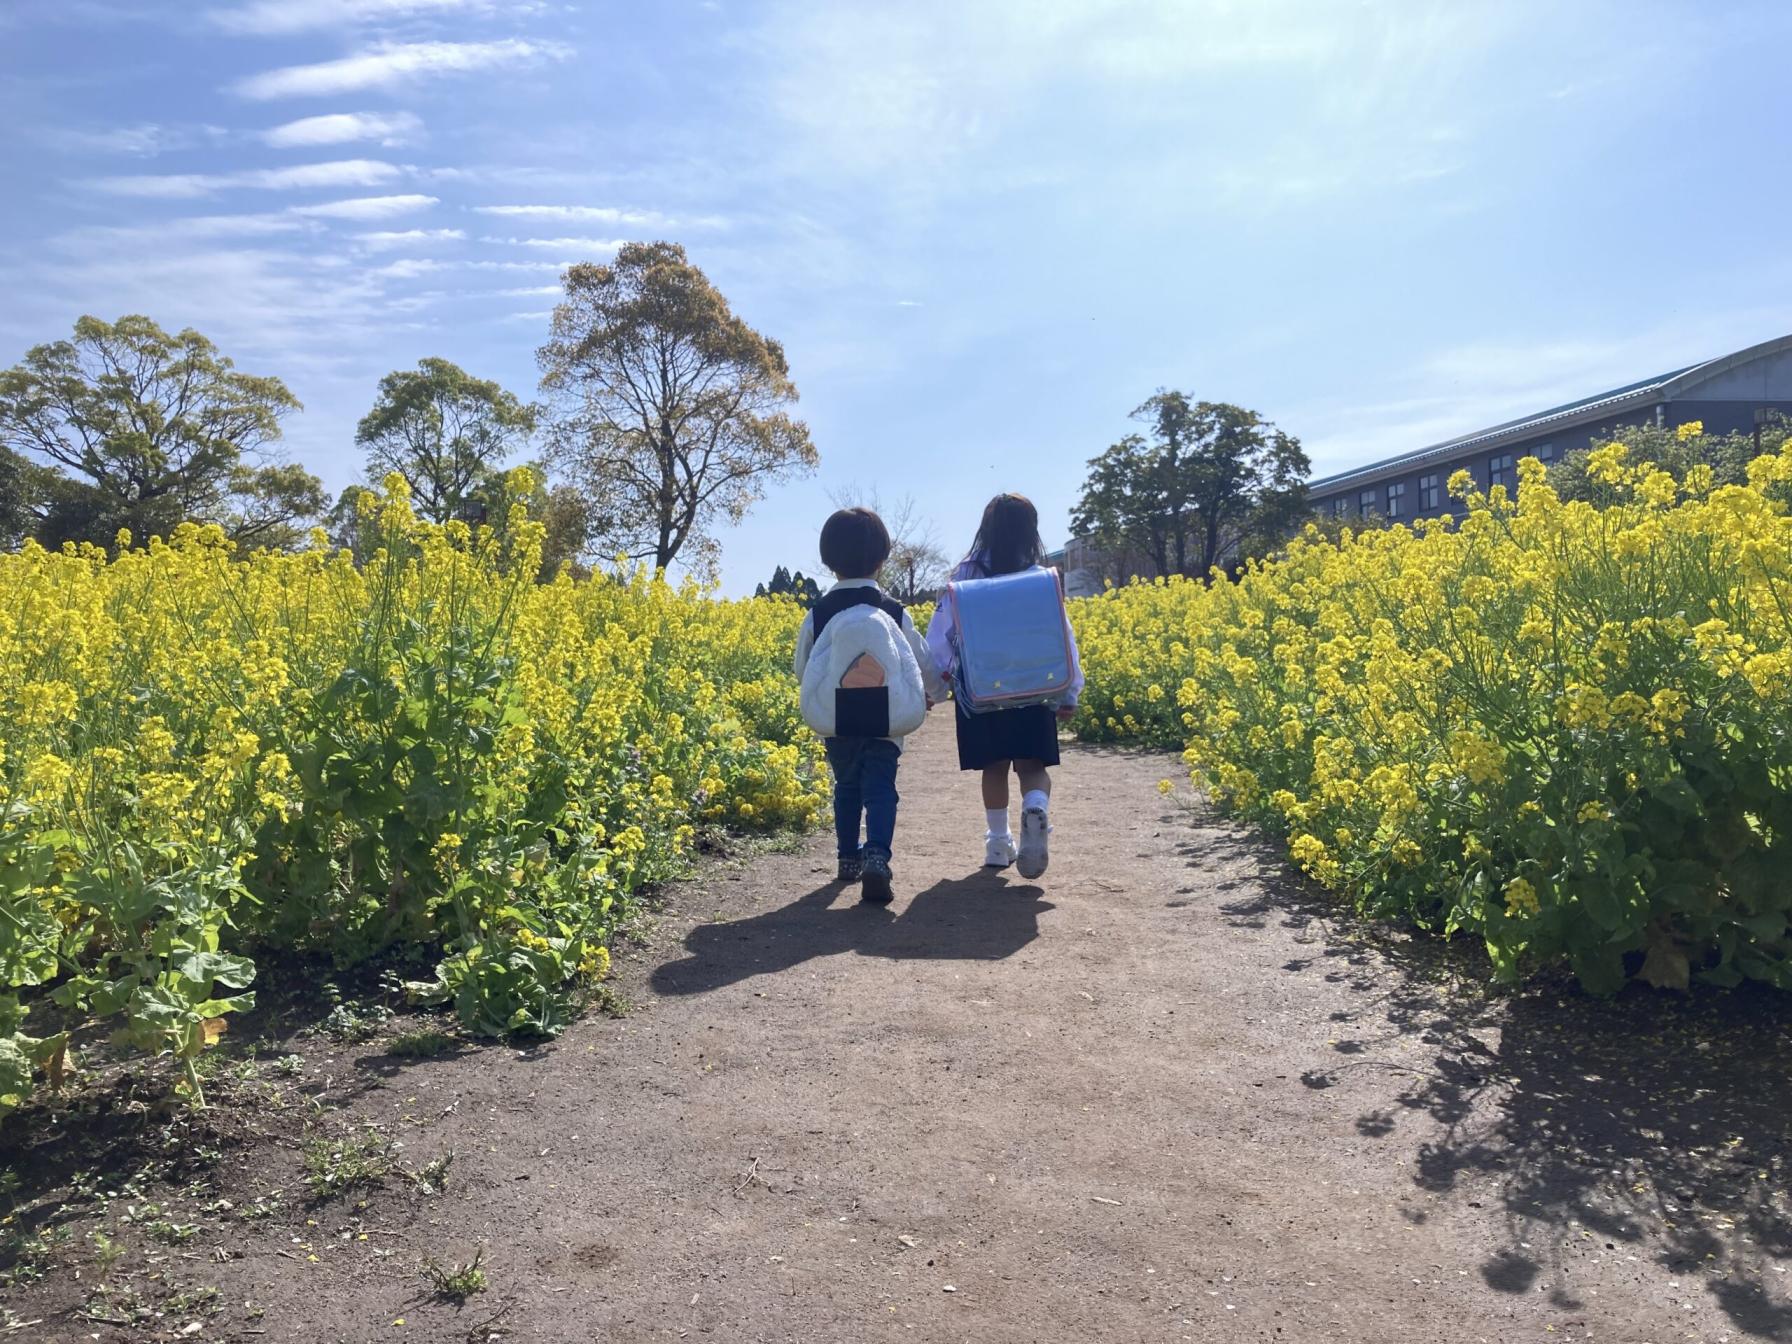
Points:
x=76 y=12
x=144 y=140
x=560 y=244
x=339 y=128
x=393 y=63
x=907 y=95
x=408 y=268
x=541 y=316
x=366 y=207
x=518 y=265
x=191 y=228
x=276 y=306
x=575 y=214
x=167 y=186
x=175 y=186
x=527 y=292
x=274 y=18
x=379 y=241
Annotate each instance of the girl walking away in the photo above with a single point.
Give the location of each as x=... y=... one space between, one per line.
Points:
x=1022 y=740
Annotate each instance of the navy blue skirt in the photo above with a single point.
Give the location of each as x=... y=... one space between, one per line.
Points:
x=1026 y=734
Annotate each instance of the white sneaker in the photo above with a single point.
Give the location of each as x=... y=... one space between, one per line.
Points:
x=998 y=850
x=1034 y=854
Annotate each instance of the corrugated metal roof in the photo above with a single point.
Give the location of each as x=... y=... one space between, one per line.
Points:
x=1616 y=398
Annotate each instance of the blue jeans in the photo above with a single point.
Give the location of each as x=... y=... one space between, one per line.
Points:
x=864 y=783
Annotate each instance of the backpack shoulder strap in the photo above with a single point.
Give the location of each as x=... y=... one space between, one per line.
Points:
x=844 y=599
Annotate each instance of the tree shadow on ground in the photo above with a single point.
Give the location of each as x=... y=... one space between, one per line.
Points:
x=983 y=917
x=1652 y=1125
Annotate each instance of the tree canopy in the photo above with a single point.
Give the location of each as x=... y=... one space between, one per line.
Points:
x=1676 y=450
x=805 y=590
x=135 y=428
x=670 y=411
x=24 y=487
x=1205 y=483
x=446 y=432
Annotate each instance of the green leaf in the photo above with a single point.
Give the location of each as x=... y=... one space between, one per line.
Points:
x=203 y=968
x=1600 y=970
x=1770 y=926
x=29 y=935
x=15 y=1072
x=1680 y=796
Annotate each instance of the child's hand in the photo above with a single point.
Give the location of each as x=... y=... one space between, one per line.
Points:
x=1066 y=713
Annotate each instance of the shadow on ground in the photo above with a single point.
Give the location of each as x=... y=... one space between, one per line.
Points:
x=122 y=1130
x=983 y=917
x=1652 y=1124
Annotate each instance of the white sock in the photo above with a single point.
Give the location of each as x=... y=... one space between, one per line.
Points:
x=998 y=821
x=1035 y=798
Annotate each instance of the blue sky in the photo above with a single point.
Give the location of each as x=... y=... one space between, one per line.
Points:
x=984 y=230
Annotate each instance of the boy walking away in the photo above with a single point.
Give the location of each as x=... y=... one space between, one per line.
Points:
x=867 y=682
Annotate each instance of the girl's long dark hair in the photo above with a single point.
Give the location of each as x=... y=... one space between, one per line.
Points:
x=1008 y=538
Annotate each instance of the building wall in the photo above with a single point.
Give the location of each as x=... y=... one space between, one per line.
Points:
x=1086 y=568
x=1718 y=417
x=1725 y=417
x=1767 y=378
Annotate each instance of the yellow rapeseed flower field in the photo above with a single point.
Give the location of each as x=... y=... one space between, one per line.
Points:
x=1564 y=729
x=206 y=757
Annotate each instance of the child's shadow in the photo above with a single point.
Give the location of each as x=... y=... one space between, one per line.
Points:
x=977 y=918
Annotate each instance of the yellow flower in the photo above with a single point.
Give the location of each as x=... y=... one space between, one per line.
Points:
x=596 y=963
x=1521 y=898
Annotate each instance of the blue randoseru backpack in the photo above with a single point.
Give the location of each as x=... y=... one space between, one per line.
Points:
x=1010 y=640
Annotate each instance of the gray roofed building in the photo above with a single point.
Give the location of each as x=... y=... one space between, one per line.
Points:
x=1724 y=394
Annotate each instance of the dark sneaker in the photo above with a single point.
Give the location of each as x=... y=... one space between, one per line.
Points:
x=849 y=870
x=877 y=878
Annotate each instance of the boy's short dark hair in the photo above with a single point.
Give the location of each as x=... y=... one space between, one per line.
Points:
x=855 y=543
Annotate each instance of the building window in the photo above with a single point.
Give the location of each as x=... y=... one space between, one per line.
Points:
x=1396 y=499
x=1366 y=502
x=1544 y=453
x=1429 y=495
x=1499 y=470
x=1341 y=506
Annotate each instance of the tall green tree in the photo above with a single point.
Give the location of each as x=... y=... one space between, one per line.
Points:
x=446 y=432
x=805 y=590
x=141 y=429
x=1206 y=483
x=670 y=411
x=24 y=489
x=562 y=511
x=1676 y=450
x=348 y=523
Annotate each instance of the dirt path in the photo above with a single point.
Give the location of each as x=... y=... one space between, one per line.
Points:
x=1156 y=1096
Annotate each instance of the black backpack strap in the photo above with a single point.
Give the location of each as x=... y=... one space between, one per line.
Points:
x=843 y=599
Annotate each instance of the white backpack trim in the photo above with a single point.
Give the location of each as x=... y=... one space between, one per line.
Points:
x=850 y=634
